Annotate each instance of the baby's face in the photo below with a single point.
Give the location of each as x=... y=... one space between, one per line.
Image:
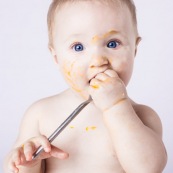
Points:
x=90 y=37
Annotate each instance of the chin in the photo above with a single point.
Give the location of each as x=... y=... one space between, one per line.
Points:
x=82 y=92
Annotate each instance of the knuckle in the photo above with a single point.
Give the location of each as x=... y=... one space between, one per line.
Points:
x=28 y=147
x=94 y=81
x=111 y=73
x=42 y=138
x=45 y=142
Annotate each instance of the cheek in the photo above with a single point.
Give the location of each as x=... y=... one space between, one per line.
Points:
x=66 y=69
x=73 y=73
x=123 y=65
x=119 y=63
x=75 y=76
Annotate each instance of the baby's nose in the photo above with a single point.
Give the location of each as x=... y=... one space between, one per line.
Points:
x=98 y=61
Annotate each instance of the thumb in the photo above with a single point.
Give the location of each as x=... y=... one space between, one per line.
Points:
x=58 y=153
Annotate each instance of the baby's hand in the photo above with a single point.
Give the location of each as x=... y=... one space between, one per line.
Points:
x=22 y=156
x=107 y=89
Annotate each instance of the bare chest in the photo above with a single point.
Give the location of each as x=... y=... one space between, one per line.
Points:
x=89 y=146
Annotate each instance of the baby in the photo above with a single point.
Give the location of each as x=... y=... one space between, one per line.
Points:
x=94 y=43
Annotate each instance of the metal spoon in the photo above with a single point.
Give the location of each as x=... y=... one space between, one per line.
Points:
x=63 y=125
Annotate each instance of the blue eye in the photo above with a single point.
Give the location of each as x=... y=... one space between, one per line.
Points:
x=112 y=44
x=78 y=47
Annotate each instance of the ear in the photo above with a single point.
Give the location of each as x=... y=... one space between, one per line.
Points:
x=53 y=54
x=138 y=39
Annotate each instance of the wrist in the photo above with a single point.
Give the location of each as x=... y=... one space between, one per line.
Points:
x=121 y=115
x=120 y=109
x=122 y=103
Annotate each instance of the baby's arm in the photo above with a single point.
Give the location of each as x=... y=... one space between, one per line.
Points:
x=29 y=139
x=137 y=141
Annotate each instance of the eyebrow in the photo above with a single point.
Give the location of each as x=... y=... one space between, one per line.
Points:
x=94 y=38
x=109 y=33
x=73 y=36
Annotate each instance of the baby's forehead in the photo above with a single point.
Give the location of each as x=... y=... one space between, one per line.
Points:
x=68 y=6
x=114 y=5
x=117 y=5
x=63 y=4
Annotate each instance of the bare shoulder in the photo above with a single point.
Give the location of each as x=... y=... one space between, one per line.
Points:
x=37 y=109
x=149 y=117
x=34 y=115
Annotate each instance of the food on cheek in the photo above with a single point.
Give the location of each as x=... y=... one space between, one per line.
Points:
x=74 y=74
x=73 y=80
x=67 y=71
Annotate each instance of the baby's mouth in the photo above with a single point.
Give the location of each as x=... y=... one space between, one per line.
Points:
x=97 y=74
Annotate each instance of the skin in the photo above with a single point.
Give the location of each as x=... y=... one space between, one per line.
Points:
x=126 y=137
x=96 y=38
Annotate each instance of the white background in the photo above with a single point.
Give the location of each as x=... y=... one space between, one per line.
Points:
x=28 y=73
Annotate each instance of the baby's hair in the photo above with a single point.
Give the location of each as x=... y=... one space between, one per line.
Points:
x=58 y=3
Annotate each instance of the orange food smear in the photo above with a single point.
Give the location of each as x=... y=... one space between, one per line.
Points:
x=69 y=74
x=95 y=86
x=91 y=128
x=97 y=38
